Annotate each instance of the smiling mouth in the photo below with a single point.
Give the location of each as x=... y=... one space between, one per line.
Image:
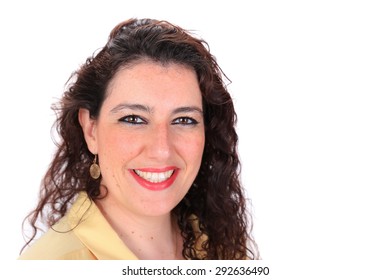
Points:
x=154 y=177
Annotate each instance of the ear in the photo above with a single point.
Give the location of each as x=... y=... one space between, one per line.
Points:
x=89 y=129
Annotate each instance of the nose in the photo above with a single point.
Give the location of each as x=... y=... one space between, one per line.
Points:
x=159 y=145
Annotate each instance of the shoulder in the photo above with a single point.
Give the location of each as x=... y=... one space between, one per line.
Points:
x=57 y=246
x=58 y=243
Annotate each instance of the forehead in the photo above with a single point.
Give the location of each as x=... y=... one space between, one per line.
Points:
x=153 y=80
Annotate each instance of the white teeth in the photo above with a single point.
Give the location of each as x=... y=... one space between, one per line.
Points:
x=154 y=177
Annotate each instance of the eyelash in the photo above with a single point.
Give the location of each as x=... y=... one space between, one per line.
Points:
x=184 y=121
x=137 y=120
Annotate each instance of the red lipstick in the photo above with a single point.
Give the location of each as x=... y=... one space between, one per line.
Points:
x=158 y=186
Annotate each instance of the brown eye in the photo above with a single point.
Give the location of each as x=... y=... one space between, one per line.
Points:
x=185 y=121
x=133 y=119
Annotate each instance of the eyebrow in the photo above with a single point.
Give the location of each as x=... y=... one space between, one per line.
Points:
x=188 y=109
x=147 y=109
x=126 y=106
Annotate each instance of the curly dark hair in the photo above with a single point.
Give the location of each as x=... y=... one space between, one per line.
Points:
x=216 y=197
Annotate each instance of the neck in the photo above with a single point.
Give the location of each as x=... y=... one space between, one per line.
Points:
x=147 y=237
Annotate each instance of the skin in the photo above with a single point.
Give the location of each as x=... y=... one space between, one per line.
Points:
x=151 y=120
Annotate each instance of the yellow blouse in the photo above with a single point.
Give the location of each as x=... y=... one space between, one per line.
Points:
x=82 y=234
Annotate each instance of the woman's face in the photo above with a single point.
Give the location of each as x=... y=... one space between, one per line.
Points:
x=149 y=137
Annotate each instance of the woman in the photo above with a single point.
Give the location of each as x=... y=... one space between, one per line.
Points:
x=147 y=167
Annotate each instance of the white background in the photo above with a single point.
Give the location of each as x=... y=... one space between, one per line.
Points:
x=310 y=81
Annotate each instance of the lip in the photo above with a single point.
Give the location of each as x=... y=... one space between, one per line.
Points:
x=155 y=186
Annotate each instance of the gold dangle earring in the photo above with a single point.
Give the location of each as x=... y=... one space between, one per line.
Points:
x=94 y=169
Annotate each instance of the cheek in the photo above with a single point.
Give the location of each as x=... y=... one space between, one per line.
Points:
x=116 y=147
x=192 y=148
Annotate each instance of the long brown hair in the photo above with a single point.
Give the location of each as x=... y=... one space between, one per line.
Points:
x=216 y=197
